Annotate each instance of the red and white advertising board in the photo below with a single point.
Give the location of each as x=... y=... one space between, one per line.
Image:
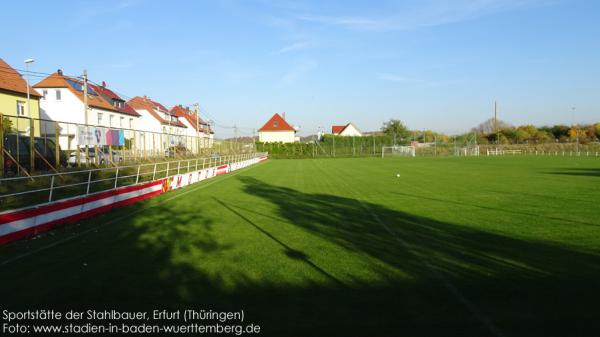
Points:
x=17 y=224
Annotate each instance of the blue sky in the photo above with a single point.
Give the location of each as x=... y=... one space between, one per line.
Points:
x=433 y=64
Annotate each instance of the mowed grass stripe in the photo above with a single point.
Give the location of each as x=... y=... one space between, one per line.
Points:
x=294 y=248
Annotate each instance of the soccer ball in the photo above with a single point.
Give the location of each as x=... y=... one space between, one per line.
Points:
x=398 y=175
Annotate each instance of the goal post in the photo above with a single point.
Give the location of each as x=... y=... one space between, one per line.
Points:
x=397 y=151
x=468 y=151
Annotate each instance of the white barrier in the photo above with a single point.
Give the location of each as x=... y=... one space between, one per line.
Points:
x=29 y=221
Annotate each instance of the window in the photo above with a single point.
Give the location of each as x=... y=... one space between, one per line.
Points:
x=275 y=124
x=100 y=115
x=20 y=108
x=58 y=98
x=111 y=120
x=131 y=123
x=122 y=122
x=44 y=93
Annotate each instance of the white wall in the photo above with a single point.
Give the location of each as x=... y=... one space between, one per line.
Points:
x=276 y=136
x=190 y=132
x=68 y=111
x=350 y=130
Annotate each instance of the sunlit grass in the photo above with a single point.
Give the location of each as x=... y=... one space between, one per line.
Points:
x=344 y=246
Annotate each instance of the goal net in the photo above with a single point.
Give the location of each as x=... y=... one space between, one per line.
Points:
x=468 y=151
x=389 y=151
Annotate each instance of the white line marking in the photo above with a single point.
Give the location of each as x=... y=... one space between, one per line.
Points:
x=463 y=300
x=80 y=234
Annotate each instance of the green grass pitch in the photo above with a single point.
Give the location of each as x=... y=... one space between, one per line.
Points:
x=481 y=246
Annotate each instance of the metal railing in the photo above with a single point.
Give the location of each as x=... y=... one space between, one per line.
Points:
x=29 y=145
x=21 y=191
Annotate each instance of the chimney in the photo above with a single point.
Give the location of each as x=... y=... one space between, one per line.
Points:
x=283 y=116
x=59 y=71
x=103 y=84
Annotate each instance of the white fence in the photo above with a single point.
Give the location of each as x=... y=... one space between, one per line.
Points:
x=497 y=152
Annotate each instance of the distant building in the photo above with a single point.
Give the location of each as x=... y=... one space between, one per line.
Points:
x=63 y=101
x=277 y=130
x=128 y=117
x=346 y=130
x=164 y=129
x=13 y=100
x=197 y=128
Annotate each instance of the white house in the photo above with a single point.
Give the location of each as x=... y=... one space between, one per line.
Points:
x=128 y=118
x=199 y=133
x=63 y=101
x=277 y=130
x=163 y=129
x=346 y=130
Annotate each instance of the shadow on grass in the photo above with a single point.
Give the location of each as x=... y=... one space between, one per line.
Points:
x=585 y=172
x=160 y=261
x=497 y=209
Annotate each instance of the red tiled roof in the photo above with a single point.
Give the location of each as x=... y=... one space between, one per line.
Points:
x=337 y=129
x=11 y=80
x=57 y=80
x=277 y=123
x=144 y=103
x=190 y=116
x=126 y=109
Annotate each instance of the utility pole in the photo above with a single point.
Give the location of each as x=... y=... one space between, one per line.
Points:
x=576 y=131
x=85 y=96
x=235 y=136
x=197 y=109
x=85 y=115
x=496 y=123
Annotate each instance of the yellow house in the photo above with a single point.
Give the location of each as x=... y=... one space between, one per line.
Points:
x=13 y=102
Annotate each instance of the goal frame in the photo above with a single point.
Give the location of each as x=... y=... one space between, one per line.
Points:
x=403 y=151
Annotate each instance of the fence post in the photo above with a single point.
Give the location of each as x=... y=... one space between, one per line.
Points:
x=31 y=146
x=154 y=172
x=51 y=189
x=57 y=145
x=196 y=164
x=78 y=156
x=116 y=177
x=168 y=166
x=137 y=176
x=178 y=166
x=87 y=191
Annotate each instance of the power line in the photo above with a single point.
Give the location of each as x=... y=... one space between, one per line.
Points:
x=39 y=74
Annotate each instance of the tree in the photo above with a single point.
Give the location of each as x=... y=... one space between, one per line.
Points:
x=560 y=132
x=489 y=126
x=395 y=128
x=7 y=125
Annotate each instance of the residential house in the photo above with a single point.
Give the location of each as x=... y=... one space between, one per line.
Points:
x=199 y=133
x=13 y=101
x=62 y=106
x=127 y=118
x=163 y=128
x=346 y=130
x=276 y=129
